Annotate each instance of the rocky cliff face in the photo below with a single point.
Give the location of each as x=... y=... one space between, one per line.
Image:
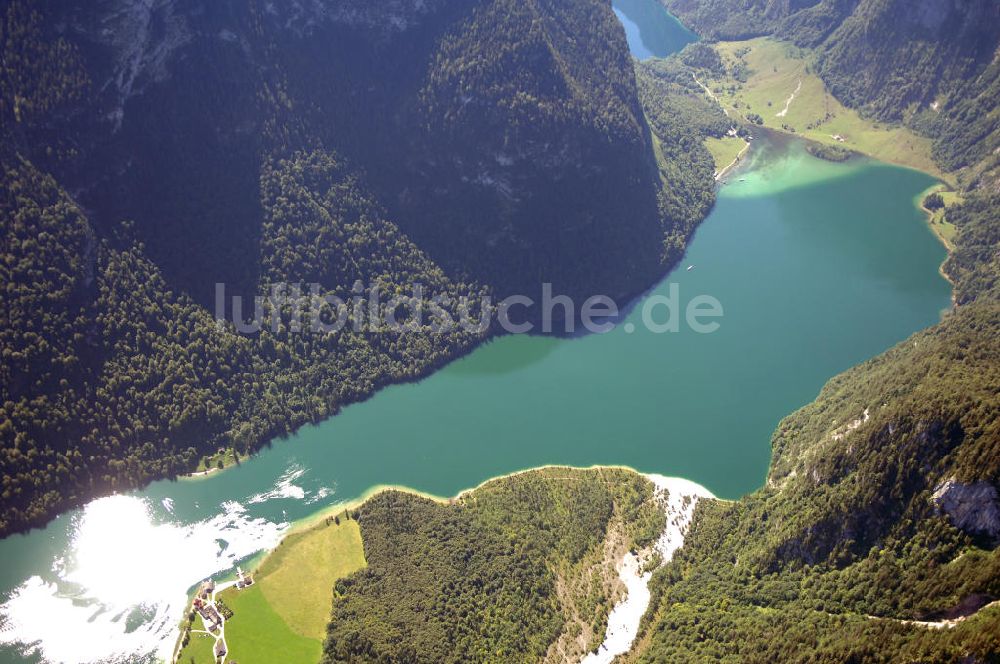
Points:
x=387 y=17
x=974 y=508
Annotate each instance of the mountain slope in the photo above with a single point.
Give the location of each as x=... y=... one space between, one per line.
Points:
x=152 y=150
x=486 y=129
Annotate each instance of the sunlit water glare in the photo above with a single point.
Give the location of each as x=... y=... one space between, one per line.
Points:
x=122 y=585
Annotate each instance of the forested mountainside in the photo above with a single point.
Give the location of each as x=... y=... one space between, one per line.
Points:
x=929 y=63
x=151 y=150
x=681 y=117
x=492 y=132
x=517 y=569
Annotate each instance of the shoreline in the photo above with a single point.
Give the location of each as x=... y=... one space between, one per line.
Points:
x=334 y=509
x=933 y=169
x=678 y=497
x=949 y=247
x=683 y=486
x=735 y=162
x=631 y=297
x=201 y=474
x=939 y=188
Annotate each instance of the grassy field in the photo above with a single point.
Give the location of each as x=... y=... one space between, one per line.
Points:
x=283 y=616
x=256 y=634
x=199 y=650
x=776 y=71
x=724 y=150
x=297 y=578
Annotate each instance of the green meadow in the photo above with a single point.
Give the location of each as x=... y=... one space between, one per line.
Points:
x=777 y=70
x=724 y=150
x=257 y=634
x=198 y=650
x=297 y=578
x=937 y=219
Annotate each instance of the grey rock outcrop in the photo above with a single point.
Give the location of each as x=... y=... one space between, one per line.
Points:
x=974 y=508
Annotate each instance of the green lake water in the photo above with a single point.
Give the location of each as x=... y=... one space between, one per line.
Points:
x=818 y=266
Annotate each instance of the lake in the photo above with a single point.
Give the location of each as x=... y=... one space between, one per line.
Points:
x=651 y=31
x=817 y=265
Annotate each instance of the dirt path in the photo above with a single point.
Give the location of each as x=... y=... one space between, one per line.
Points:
x=788 y=102
x=937 y=624
x=708 y=91
x=221 y=636
x=711 y=94
x=222 y=625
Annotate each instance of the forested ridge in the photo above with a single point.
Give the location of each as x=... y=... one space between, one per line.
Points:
x=494 y=574
x=150 y=152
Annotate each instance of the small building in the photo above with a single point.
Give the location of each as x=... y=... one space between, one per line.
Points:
x=243 y=580
x=206 y=589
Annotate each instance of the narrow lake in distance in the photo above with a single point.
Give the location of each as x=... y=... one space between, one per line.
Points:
x=818 y=266
x=651 y=31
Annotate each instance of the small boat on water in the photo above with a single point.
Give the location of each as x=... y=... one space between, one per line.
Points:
x=743 y=179
x=690 y=267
